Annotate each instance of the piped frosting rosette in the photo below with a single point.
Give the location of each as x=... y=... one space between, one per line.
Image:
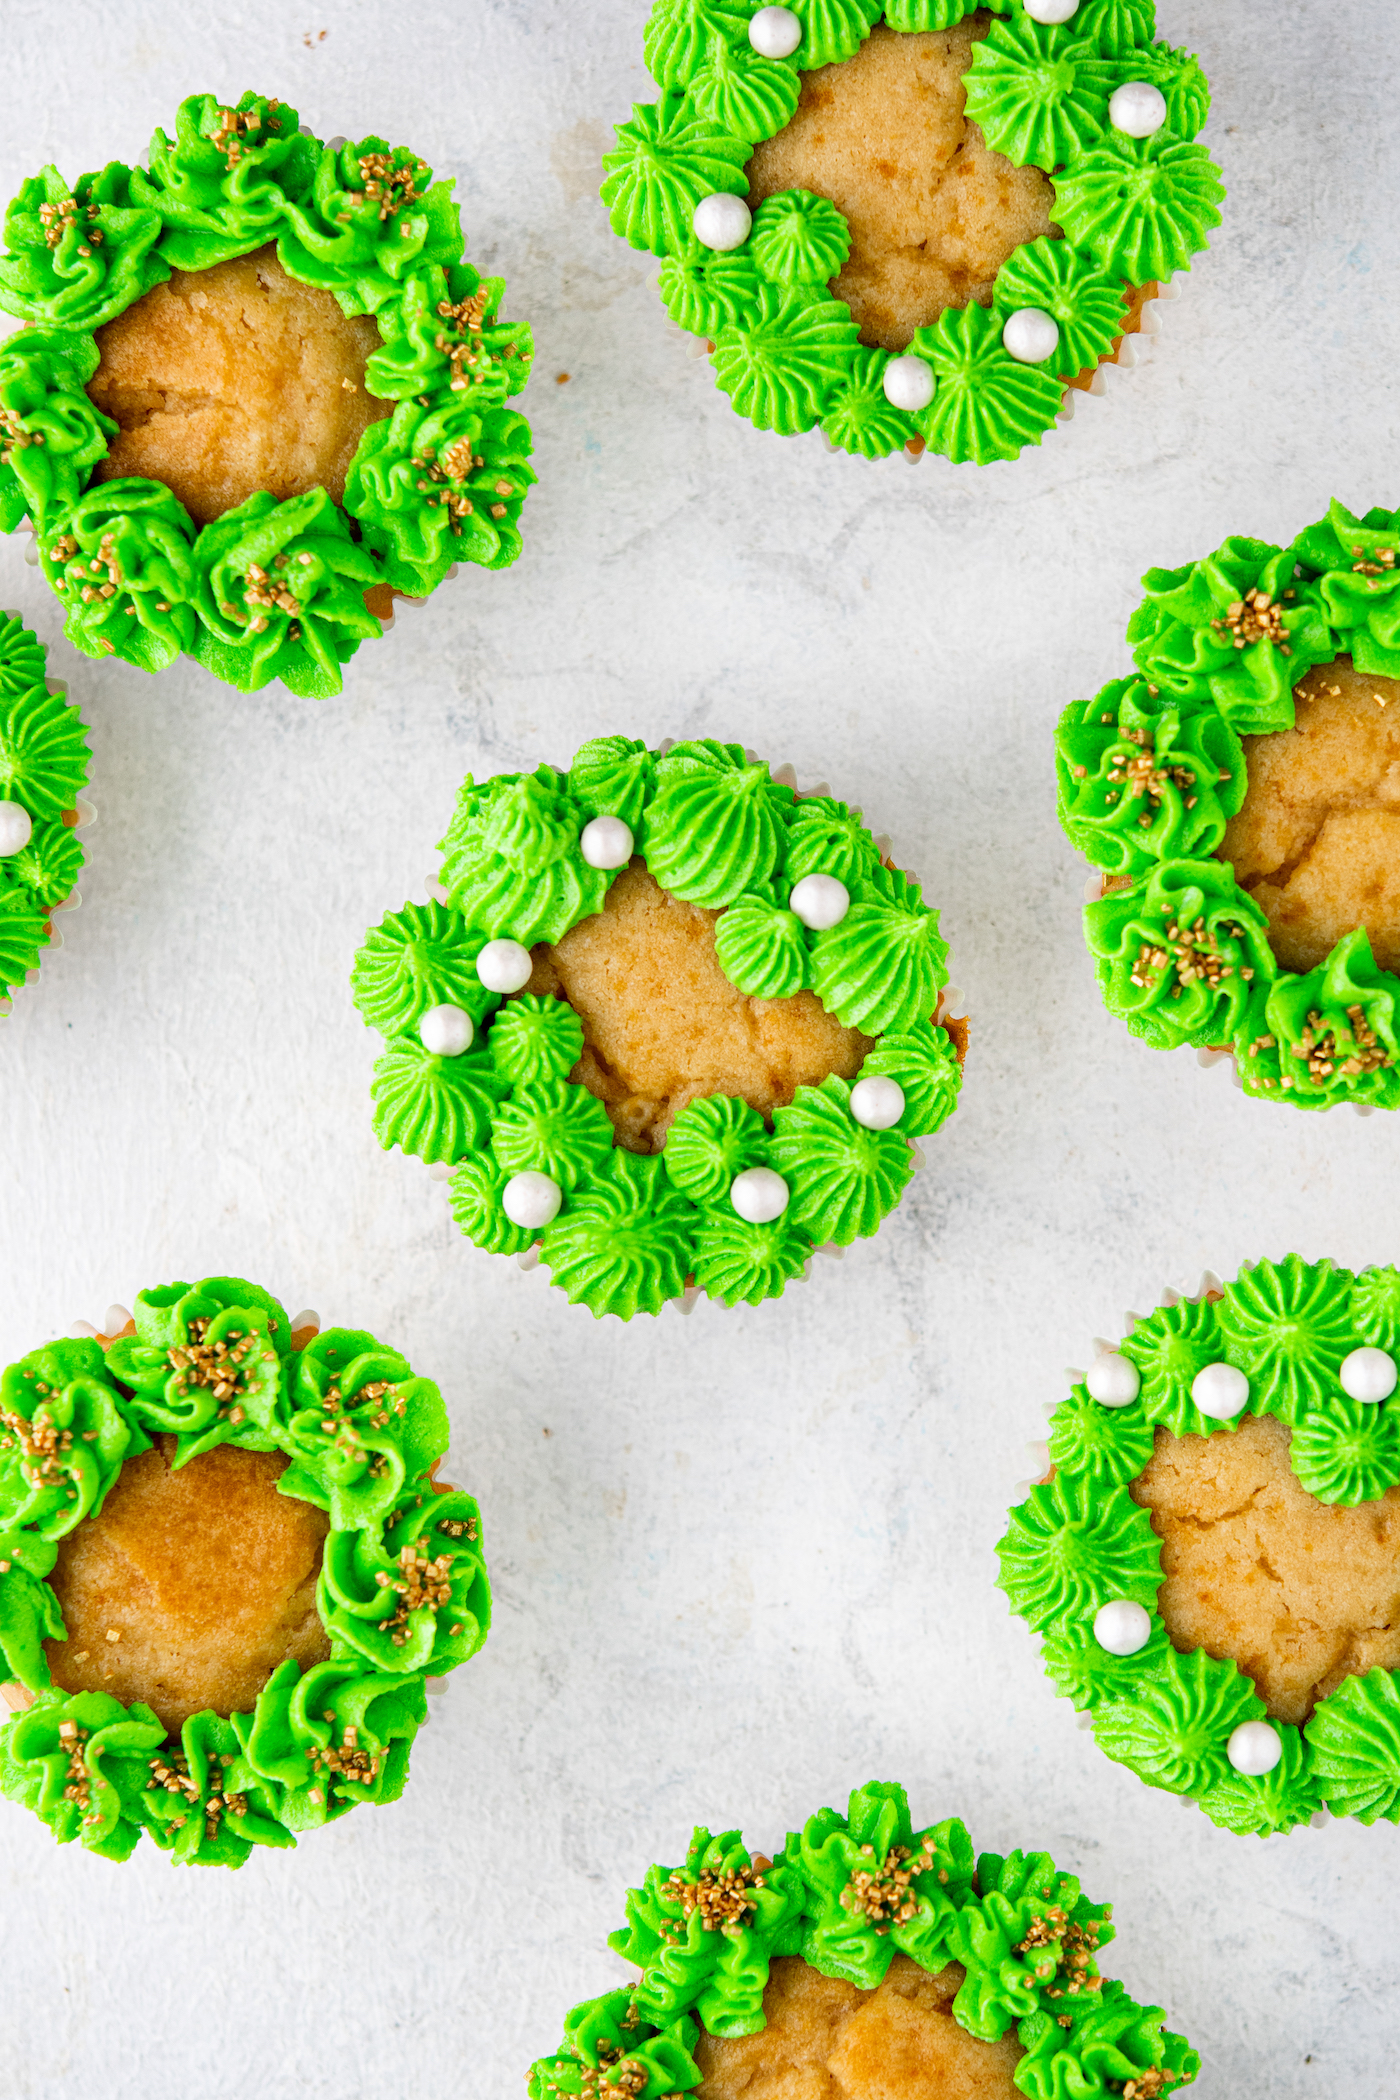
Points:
x=1110 y=115
x=1151 y=770
x=1314 y=1348
x=43 y=770
x=402 y=1593
x=1014 y=1940
x=481 y=1079
x=270 y=590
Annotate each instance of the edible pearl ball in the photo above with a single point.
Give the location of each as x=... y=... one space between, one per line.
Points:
x=909 y=383
x=606 y=843
x=1220 y=1391
x=446 y=1031
x=776 y=32
x=1121 y=1628
x=1051 y=11
x=1031 y=335
x=1368 y=1374
x=504 y=966
x=759 y=1195
x=1137 y=108
x=1113 y=1380
x=877 y=1103
x=1254 y=1748
x=722 y=222
x=531 y=1200
x=820 y=902
x=16 y=827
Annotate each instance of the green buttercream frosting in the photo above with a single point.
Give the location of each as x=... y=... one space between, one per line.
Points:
x=1146 y=787
x=986 y=404
x=402 y=1590
x=1178 y=952
x=634 y=1229
x=799 y=238
x=1358 y=589
x=43 y=766
x=268 y=590
x=845 y=1895
x=1038 y=92
x=1080 y=1541
x=786 y=351
x=1184 y=643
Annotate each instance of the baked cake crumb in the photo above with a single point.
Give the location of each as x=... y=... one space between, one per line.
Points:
x=234 y=379
x=933 y=211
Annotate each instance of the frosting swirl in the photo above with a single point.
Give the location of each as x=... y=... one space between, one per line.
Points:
x=1039 y=93
x=986 y=404
x=76 y=258
x=1144 y=207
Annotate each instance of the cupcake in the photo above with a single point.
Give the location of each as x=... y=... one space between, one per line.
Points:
x=43 y=770
x=1210 y=1562
x=1238 y=793
x=258 y=395
x=227 y=1574
x=918 y=223
x=667 y=1020
x=866 y=1959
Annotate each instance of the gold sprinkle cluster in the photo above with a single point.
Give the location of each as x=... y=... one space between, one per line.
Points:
x=346 y=1760
x=236 y=125
x=1194 y=953
x=725 y=1901
x=42 y=1446
x=421 y=1581
x=57 y=218
x=886 y=1894
x=13 y=435
x=220 y=1367
x=1319 y=1047
x=1383 y=563
x=459 y=1528
x=1256 y=617
x=265 y=592
x=170 y=1774
x=79 y=1787
x=387 y=184
x=1149 y=2085
x=1074 y=1947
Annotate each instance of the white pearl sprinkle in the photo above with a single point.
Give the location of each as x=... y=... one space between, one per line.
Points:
x=722 y=222
x=1368 y=1374
x=606 y=842
x=1137 y=108
x=531 y=1200
x=909 y=383
x=1031 y=335
x=759 y=1195
x=16 y=827
x=1121 y=1628
x=877 y=1103
x=446 y=1031
x=1113 y=1380
x=1220 y=1391
x=1051 y=11
x=820 y=902
x=776 y=32
x=504 y=966
x=1254 y=1748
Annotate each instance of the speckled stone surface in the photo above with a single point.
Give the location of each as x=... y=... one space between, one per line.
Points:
x=745 y=1561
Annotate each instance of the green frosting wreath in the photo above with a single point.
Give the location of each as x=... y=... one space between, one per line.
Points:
x=43 y=770
x=1151 y=770
x=1080 y=1541
x=716 y=829
x=403 y=1593
x=785 y=349
x=846 y=1894
x=268 y=590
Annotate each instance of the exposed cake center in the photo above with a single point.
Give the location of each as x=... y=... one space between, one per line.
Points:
x=933 y=212
x=1300 y=1593
x=1317 y=843
x=663 y=1025
x=234 y=379
x=190 y=1587
x=829 y=2040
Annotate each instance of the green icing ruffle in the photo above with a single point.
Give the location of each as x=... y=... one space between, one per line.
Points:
x=1185 y=647
x=1353 y=561
x=43 y=767
x=846 y=1894
x=268 y=590
x=787 y=354
x=715 y=828
x=1149 y=786
x=1080 y=1541
x=402 y=1591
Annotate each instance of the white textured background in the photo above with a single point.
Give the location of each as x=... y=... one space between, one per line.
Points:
x=743 y=1562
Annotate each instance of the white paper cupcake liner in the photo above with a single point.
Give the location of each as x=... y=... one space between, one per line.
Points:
x=952 y=1006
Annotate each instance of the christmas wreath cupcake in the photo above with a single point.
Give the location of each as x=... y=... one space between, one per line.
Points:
x=913 y=223
x=1211 y=1562
x=869 y=1959
x=1239 y=793
x=258 y=393
x=667 y=1020
x=43 y=769
x=226 y=1573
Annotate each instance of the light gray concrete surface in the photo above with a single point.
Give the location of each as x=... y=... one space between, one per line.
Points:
x=742 y=1562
